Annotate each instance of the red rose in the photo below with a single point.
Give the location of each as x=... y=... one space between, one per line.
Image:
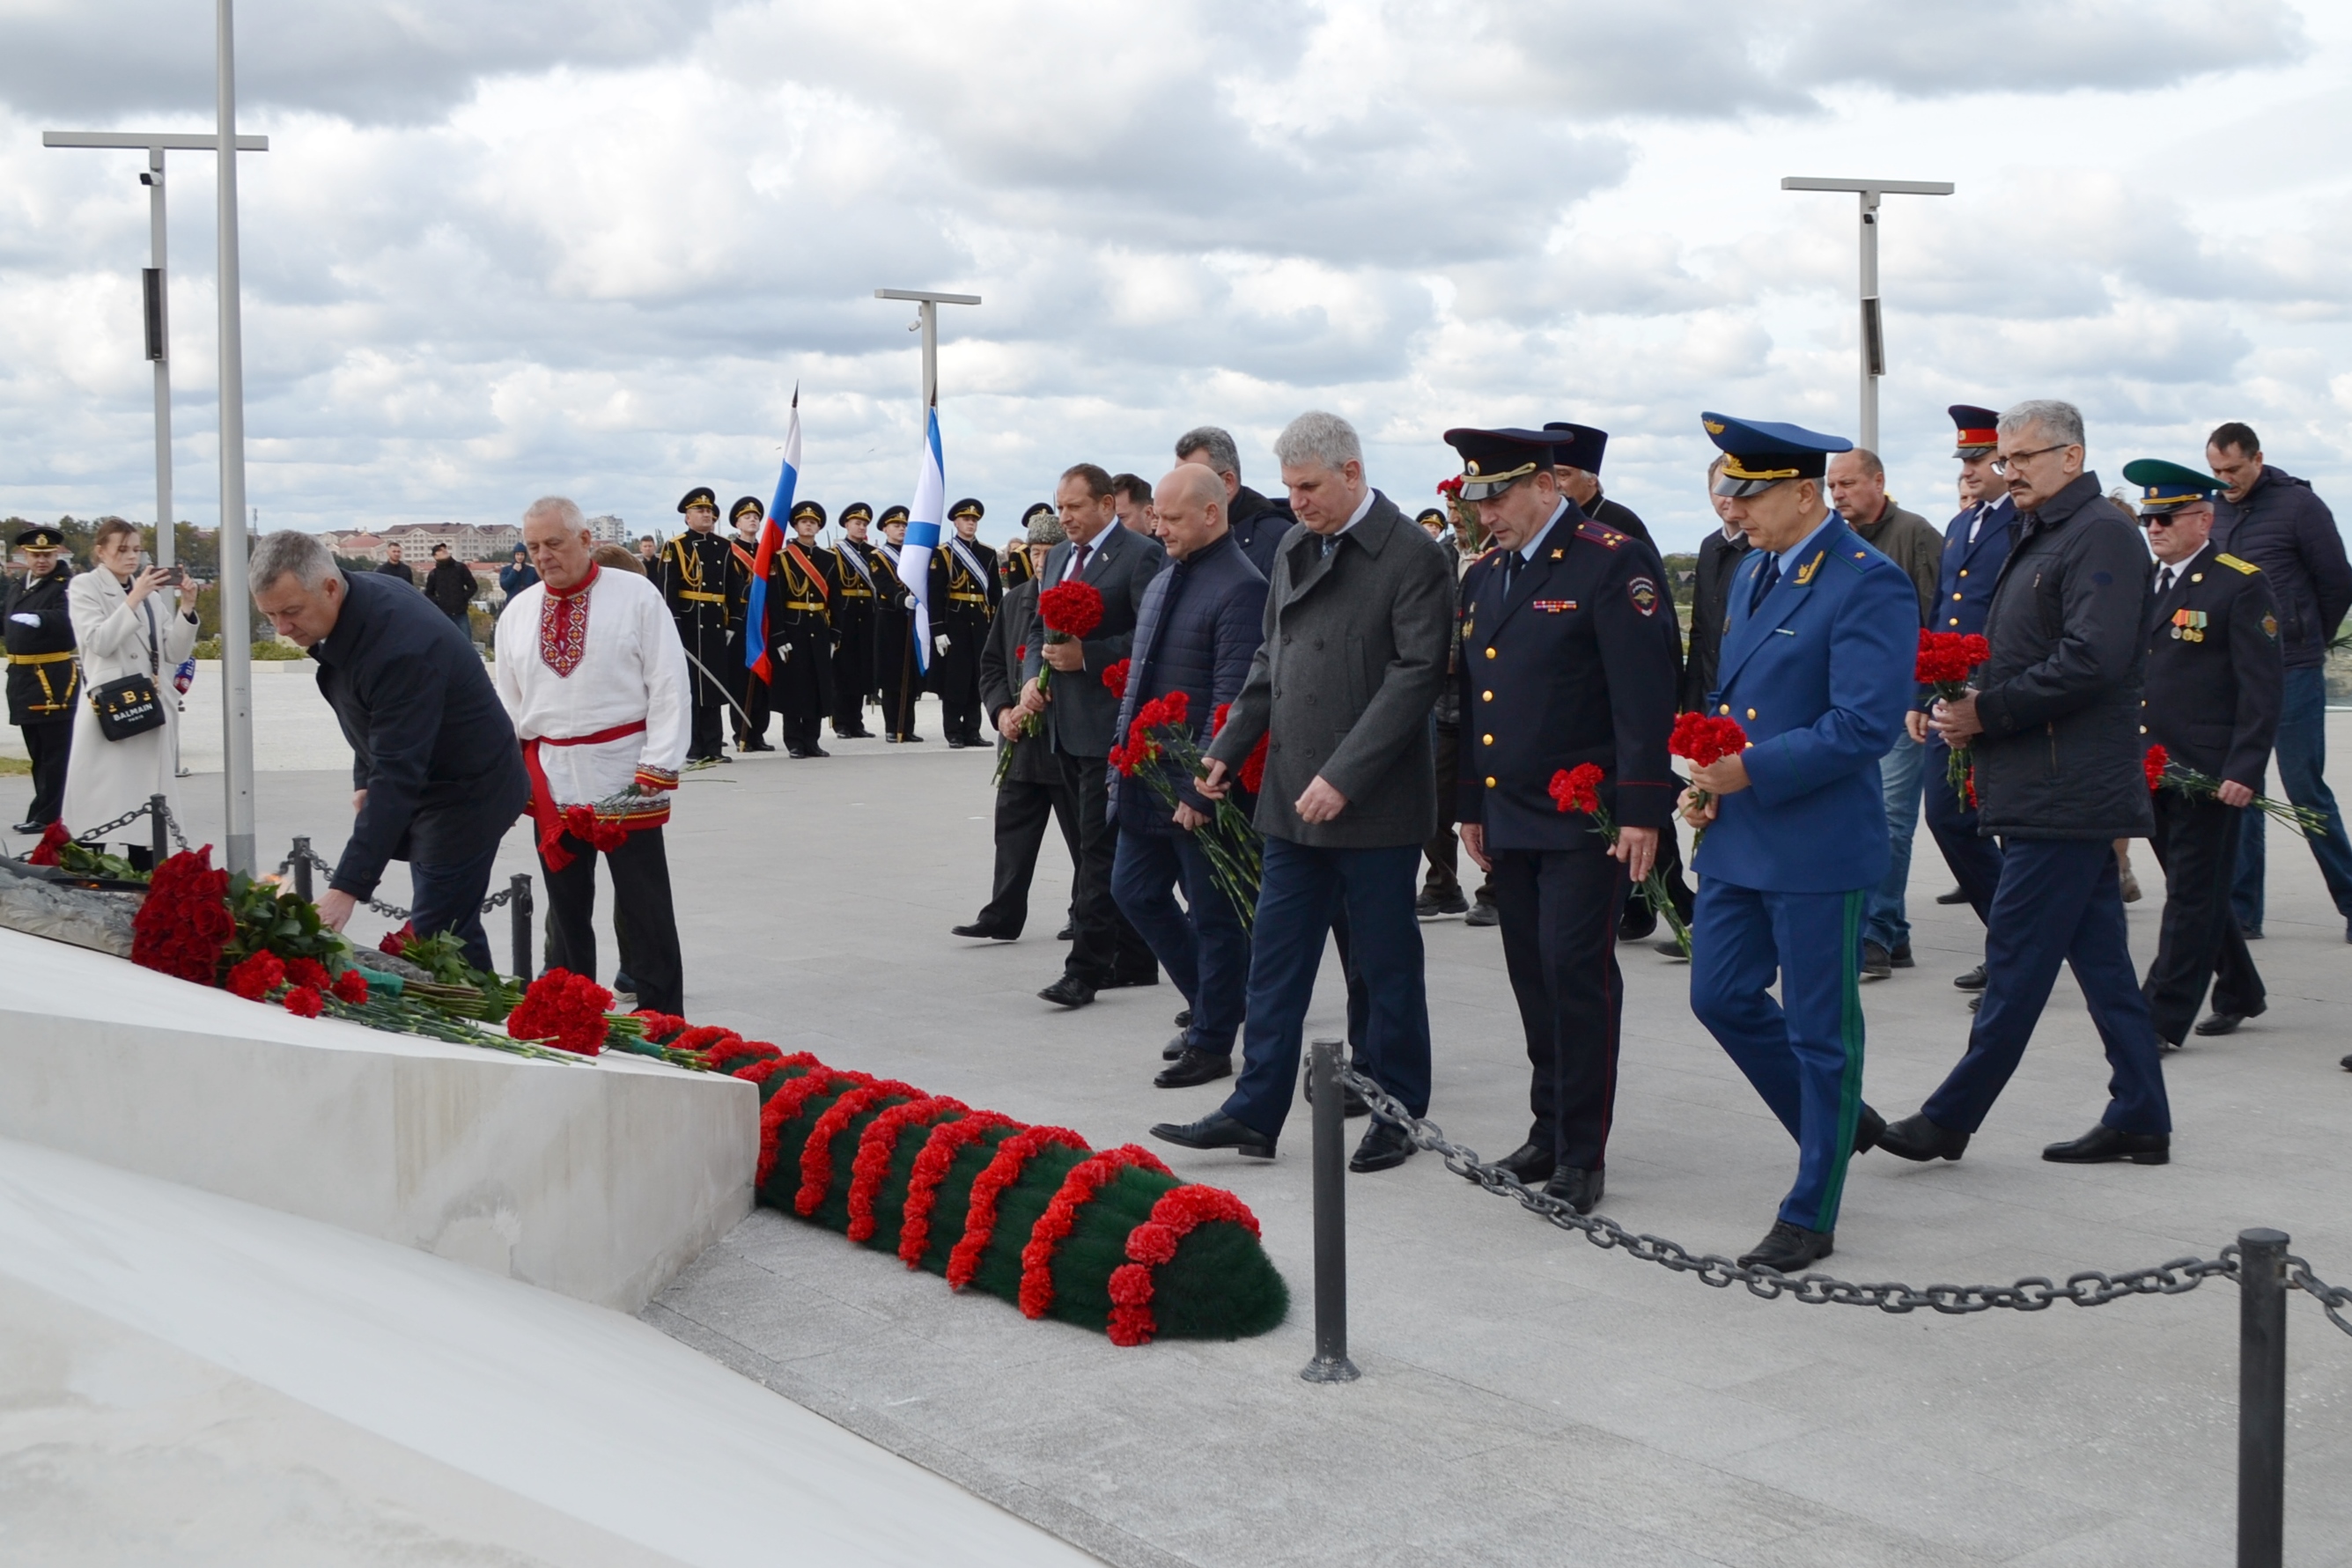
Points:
x=53 y=838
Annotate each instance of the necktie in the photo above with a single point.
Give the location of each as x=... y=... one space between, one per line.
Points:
x=2164 y=582
x=1077 y=564
x=1765 y=579
x=1511 y=563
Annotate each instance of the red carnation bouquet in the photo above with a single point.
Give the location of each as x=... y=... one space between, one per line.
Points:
x=1577 y=788
x=564 y=1010
x=1945 y=662
x=1070 y=610
x=1162 y=729
x=1699 y=740
x=2163 y=773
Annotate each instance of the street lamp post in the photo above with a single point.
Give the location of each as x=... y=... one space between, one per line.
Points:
x=155 y=286
x=235 y=608
x=928 y=321
x=1874 y=337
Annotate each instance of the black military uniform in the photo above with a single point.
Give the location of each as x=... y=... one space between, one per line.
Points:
x=802 y=586
x=897 y=678
x=693 y=572
x=964 y=593
x=750 y=690
x=44 y=678
x=853 y=628
x=2215 y=683
x=1568 y=658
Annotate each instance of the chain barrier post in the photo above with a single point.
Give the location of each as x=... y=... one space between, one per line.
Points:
x=519 y=896
x=2262 y=1398
x=301 y=859
x=159 y=816
x=1330 y=1363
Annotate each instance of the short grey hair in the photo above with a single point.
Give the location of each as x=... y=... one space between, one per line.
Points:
x=1317 y=437
x=291 y=551
x=1215 y=443
x=2062 y=422
x=564 y=509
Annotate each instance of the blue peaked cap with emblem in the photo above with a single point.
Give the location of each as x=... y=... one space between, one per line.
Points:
x=1758 y=453
x=1494 y=460
x=2164 y=486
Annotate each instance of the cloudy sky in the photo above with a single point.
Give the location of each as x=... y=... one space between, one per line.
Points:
x=589 y=246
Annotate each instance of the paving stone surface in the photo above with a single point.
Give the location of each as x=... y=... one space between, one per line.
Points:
x=1526 y=1397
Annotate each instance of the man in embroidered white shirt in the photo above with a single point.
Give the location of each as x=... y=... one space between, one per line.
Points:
x=591 y=668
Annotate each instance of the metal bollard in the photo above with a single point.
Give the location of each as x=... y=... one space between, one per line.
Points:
x=2262 y=1398
x=301 y=859
x=1330 y=1363
x=159 y=818
x=519 y=917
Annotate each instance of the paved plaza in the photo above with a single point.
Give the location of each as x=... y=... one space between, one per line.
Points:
x=1526 y=1397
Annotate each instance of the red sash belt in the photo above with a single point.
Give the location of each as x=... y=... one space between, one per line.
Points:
x=544 y=813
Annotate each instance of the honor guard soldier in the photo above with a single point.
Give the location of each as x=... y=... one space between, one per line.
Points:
x=1566 y=658
x=44 y=677
x=897 y=678
x=854 y=624
x=964 y=593
x=2216 y=678
x=750 y=691
x=1976 y=541
x=802 y=586
x=1819 y=647
x=692 y=575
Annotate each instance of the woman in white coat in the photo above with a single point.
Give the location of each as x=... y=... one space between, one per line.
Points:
x=125 y=624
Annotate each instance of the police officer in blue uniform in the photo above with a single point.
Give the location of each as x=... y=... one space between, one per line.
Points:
x=1976 y=542
x=2216 y=678
x=1568 y=658
x=1818 y=650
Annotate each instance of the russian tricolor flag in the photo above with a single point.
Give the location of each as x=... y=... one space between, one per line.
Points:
x=923 y=537
x=771 y=539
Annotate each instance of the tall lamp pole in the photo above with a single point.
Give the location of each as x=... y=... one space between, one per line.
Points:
x=927 y=322
x=156 y=286
x=1874 y=337
x=235 y=607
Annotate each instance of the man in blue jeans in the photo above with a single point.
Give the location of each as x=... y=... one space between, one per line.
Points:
x=1357 y=616
x=2269 y=516
x=1195 y=633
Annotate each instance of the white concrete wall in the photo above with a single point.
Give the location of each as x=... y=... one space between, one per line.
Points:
x=600 y=1181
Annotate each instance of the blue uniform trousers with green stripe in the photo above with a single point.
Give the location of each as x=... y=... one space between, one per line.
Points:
x=1803 y=1051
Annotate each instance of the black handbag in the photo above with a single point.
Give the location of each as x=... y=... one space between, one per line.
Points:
x=130 y=706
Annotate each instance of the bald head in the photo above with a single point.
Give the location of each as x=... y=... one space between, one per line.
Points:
x=1188 y=508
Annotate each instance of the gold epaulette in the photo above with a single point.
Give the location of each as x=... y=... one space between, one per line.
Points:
x=2228 y=559
x=1589 y=529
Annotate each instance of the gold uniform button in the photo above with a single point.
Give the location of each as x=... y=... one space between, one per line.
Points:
x=1490 y=653
x=1490 y=781
x=1956 y=619
x=1955 y=597
x=1964 y=571
x=1485 y=696
x=1751 y=712
x=1487 y=739
x=1726 y=708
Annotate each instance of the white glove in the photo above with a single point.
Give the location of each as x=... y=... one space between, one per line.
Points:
x=942 y=642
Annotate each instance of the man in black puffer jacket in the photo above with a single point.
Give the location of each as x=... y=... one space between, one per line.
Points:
x=2053 y=724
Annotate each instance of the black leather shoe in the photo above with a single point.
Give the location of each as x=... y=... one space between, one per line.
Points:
x=1901 y=958
x=1192 y=1068
x=1955 y=896
x=1068 y=933
x=1482 y=914
x=1123 y=982
x=1531 y=1162
x=1672 y=948
x=1069 y=991
x=2251 y=933
x=1351 y=1104
x=1638 y=921
x=1217 y=1131
x=1184 y=1019
x=1917 y=1138
x=757 y=745
x=816 y=751
x=2103 y=1145
x=2221 y=1023
x=1868 y=1128
x=29 y=828
x=1976 y=1001
x=1175 y=1046
x=954 y=745
x=1430 y=905
x=1974 y=980
x=1384 y=1147
x=976 y=932
x=1787 y=1248
x=1876 y=963
x=1579 y=1189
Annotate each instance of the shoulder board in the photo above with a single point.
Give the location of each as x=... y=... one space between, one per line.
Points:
x=1484 y=555
x=2225 y=558
x=1589 y=530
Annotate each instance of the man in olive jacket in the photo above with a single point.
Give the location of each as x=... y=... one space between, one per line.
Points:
x=2053 y=720
x=1358 y=615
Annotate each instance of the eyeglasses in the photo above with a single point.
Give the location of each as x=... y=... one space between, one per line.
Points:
x=2005 y=466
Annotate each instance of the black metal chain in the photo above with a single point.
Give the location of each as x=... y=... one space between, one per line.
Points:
x=390 y=911
x=2299 y=1277
x=96 y=837
x=2089 y=1288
